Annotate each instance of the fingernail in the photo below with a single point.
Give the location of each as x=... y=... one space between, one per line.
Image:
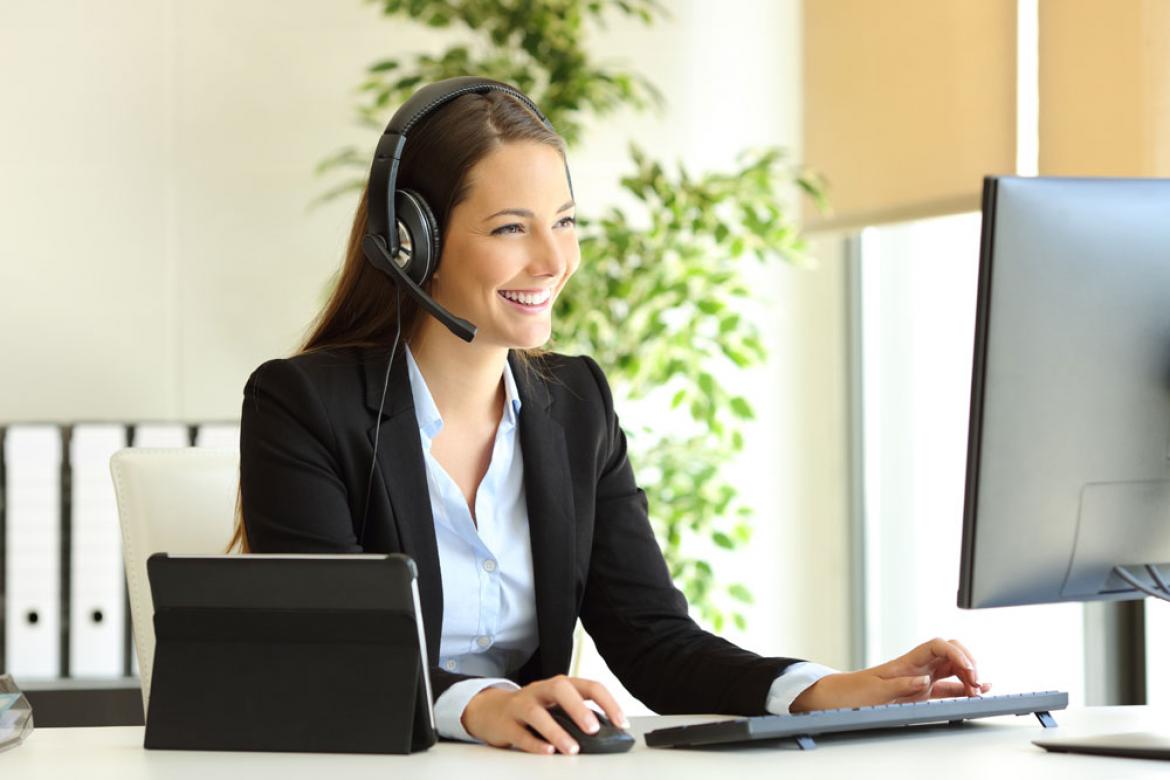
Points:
x=624 y=722
x=593 y=726
x=923 y=681
x=573 y=747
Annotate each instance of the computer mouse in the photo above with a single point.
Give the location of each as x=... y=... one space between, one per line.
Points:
x=608 y=739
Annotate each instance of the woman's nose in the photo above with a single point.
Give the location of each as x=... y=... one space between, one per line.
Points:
x=549 y=257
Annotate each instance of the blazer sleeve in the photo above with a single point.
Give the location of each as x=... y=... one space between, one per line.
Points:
x=293 y=497
x=639 y=620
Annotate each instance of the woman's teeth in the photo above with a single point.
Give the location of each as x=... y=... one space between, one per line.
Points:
x=527 y=298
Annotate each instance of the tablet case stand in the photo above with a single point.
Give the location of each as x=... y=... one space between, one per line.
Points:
x=302 y=680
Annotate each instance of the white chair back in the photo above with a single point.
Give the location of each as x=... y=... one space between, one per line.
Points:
x=179 y=500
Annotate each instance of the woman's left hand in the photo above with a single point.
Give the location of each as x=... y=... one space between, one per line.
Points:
x=918 y=675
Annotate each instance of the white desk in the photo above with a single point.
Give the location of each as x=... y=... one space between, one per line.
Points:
x=998 y=748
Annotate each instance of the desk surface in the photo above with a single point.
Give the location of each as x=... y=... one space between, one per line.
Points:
x=989 y=748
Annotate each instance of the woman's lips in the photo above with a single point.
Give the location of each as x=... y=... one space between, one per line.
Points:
x=530 y=301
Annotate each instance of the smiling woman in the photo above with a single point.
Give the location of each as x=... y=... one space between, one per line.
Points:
x=505 y=478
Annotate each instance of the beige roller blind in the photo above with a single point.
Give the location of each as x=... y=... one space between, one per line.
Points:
x=907 y=104
x=1105 y=87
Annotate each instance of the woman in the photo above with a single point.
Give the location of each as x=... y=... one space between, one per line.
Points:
x=502 y=467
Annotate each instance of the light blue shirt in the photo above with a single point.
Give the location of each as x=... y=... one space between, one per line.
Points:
x=489 y=596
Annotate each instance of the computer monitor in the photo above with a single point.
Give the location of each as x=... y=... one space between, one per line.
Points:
x=1068 y=465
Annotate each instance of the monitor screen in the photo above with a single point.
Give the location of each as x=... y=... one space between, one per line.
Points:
x=1068 y=466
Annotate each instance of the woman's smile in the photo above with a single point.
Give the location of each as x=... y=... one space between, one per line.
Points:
x=528 y=301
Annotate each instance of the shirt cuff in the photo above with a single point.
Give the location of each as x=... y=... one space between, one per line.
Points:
x=450 y=705
x=792 y=682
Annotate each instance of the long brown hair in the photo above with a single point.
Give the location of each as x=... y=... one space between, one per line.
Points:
x=440 y=152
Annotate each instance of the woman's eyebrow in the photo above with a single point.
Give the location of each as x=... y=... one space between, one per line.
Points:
x=526 y=212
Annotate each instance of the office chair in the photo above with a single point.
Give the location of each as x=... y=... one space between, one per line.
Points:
x=178 y=500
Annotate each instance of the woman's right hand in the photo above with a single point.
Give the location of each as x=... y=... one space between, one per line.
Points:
x=501 y=717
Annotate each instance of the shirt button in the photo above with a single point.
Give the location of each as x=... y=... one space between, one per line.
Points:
x=451 y=665
x=483 y=641
x=489 y=565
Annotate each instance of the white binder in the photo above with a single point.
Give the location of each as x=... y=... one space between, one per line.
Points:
x=98 y=603
x=218 y=435
x=160 y=435
x=32 y=455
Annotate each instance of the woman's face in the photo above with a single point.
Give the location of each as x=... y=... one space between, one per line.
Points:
x=510 y=246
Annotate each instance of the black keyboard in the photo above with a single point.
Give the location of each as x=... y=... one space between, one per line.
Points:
x=803 y=726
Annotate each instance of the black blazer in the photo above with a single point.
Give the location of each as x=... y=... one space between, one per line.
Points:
x=305 y=444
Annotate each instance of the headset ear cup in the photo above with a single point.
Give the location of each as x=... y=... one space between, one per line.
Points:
x=419 y=222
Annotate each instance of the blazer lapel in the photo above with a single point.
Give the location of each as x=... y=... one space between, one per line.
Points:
x=403 y=474
x=548 y=492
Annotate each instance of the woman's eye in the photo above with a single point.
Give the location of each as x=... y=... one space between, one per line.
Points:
x=516 y=227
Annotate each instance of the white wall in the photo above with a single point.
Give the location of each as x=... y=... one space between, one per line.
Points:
x=157 y=161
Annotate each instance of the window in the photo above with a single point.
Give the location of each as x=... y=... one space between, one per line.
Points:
x=918 y=284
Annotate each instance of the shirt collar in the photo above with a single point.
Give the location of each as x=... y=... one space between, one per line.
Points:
x=430 y=422
x=511 y=396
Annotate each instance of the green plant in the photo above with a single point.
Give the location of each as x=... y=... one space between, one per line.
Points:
x=534 y=45
x=658 y=299
x=661 y=307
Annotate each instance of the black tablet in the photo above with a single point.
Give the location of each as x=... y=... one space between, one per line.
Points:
x=305 y=653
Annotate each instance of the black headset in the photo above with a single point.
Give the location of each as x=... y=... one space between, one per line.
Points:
x=409 y=253
x=403 y=235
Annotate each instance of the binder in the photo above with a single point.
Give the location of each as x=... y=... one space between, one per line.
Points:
x=224 y=436
x=32 y=454
x=160 y=435
x=97 y=603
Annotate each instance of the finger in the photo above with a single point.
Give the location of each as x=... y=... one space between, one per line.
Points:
x=948 y=688
x=936 y=656
x=520 y=737
x=598 y=693
x=913 y=688
x=538 y=717
x=920 y=660
x=563 y=691
x=949 y=652
x=959 y=662
x=970 y=658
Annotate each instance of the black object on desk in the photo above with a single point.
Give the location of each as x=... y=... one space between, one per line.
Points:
x=304 y=653
x=801 y=727
x=608 y=739
x=1132 y=745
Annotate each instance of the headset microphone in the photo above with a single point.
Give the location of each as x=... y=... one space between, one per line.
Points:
x=374 y=248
